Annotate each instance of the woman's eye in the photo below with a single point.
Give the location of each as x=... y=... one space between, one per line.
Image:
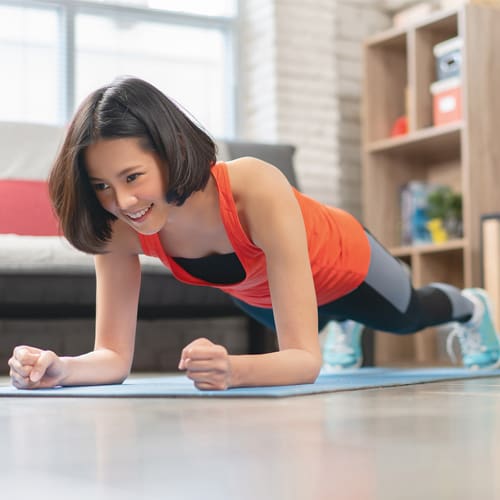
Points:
x=132 y=177
x=100 y=186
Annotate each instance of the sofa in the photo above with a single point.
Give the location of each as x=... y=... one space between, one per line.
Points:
x=47 y=288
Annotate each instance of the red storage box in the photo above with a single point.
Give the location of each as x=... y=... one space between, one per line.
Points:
x=447 y=101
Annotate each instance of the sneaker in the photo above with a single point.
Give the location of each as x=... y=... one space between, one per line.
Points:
x=478 y=339
x=342 y=346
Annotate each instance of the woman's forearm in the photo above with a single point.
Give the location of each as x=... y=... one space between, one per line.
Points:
x=287 y=367
x=102 y=366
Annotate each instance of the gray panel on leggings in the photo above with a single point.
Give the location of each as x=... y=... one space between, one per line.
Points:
x=388 y=276
x=460 y=306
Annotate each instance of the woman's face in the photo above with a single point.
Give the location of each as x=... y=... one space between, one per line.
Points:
x=128 y=182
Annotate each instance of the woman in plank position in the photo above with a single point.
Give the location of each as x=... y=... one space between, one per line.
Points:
x=136 y=176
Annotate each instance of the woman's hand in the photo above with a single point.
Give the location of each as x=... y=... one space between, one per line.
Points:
x=32 y=368
x=206 y=364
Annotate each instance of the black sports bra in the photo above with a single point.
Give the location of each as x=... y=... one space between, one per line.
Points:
x=219 y=269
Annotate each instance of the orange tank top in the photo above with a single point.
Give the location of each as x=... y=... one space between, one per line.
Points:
x=338 y=249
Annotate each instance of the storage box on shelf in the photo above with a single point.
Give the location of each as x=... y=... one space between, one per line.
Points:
x=461 y=154
x=447 y=89
x=447 y=101
x=448 y=56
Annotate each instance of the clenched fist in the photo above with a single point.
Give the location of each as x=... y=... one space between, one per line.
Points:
x=207 y=365
x=33 y=368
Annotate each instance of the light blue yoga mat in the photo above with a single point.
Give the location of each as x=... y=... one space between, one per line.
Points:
x=181 y=386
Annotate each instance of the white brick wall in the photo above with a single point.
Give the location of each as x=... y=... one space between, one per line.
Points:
x=258 y=68
x=301 y=83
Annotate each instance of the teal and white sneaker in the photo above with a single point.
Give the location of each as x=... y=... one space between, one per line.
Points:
x=478 y=339
x=342 y=346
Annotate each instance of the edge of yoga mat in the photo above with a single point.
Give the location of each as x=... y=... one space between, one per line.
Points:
x=180 y=386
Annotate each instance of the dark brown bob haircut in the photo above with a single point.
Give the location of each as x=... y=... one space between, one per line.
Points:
x=128 y=107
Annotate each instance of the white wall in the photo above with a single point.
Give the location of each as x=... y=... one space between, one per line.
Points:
x=301 y=84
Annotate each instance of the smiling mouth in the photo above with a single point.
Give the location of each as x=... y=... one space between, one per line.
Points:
x=140 y=215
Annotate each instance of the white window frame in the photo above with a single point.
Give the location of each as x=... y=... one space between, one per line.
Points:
x=68 y=9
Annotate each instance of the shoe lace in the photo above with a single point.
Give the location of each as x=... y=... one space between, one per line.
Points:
x=341 y=343
x=468 y=337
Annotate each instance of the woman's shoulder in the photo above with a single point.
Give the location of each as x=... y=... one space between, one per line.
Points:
x=261 y=192
x=251 y=175
x=249 y=164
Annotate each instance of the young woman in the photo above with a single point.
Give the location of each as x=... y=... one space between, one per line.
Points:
x=135 y=175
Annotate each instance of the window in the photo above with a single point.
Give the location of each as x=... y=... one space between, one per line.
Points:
x=54 y=53
x=223 y=8
x=31 y=64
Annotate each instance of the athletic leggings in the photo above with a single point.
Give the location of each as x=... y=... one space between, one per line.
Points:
x=386 y=300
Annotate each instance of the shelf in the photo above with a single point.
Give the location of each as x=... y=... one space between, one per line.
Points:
x=392 y=38
x=399 y=67
x=444 y=21
x=432 y=143
x=412 y=250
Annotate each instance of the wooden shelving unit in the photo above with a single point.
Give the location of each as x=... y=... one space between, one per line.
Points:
x=399 y=67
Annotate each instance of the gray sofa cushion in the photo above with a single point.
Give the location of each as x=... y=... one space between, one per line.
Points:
x=279 y=155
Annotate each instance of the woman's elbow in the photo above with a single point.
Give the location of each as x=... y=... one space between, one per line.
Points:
x=122 y=372
x=121 y=379
x=314 y=369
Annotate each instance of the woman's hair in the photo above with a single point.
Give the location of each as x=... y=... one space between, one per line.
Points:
x=128 y=107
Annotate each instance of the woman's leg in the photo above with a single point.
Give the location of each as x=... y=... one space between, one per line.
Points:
x=387 y=301
x=261 y=314
x=265 y=315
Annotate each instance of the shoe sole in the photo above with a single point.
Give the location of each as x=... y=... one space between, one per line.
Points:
x=327 y=368
x=493 y=366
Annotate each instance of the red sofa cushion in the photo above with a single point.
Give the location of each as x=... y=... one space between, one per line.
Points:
x=25 y=208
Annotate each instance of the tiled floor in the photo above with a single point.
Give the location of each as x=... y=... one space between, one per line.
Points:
x=433 y=441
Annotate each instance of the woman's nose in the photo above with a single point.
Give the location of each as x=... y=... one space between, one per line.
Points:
x=125 y=199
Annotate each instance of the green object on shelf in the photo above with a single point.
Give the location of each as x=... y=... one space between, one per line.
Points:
x=443 y=203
